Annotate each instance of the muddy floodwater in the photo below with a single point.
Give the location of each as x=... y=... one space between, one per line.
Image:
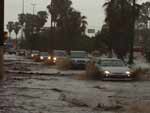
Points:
x=31 y=93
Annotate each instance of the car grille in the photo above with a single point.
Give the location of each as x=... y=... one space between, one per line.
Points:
x=81 y=61
x=118 y=73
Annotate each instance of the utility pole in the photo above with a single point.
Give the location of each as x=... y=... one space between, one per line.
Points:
x=1 y=39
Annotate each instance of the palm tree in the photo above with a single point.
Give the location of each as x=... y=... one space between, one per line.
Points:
x=33 y=24
x=16 y=28
x=67 y=21
x=144 y=16
x=42 y=19
x=120 y=18
x=135 y=15
x=53 y=11
x=10 y=28
x=58 y=10
x=83 y=24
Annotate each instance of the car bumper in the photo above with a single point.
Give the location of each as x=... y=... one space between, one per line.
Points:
x=47 y=61
x=117 y=77
x=76 y=66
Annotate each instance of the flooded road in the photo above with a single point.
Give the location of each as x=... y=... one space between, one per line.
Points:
x=31 y=93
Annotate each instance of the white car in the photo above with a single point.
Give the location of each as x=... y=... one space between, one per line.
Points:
x=113 y=68
x=79 y=59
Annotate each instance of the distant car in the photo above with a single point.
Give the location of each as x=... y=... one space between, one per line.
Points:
x=44 y=56
x=59 y=54
x=11 y=51
x=21 y=52
x=34 y=54
x=79 y=59
x=113 y=68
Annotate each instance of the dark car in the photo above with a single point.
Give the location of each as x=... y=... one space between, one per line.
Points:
x=11 y=51
x=55 y=56
x=21 y=52
x=43 y=56
x=34 y=54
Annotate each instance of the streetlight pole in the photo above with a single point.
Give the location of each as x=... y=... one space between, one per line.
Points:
x=33 y=7
x=1 y=38
x=22 y=6
x=22 y=27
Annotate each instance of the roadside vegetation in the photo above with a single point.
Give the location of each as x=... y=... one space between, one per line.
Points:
x=68 y=29
x=141 y=74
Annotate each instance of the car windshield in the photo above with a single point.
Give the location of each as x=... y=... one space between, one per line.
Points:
x=111 y=63
x=78 y=54
x=44 y=53
x=59 y=53
x=35 y=52
x=96 y=54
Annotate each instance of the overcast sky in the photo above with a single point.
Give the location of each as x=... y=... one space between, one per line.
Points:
x=92 y=9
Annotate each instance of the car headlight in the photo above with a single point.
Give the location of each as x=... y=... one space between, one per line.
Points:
x=107 y=72
x=41 y=57
x=54 y=58
x=32 y=55
x=49 y=58
x=128 y=73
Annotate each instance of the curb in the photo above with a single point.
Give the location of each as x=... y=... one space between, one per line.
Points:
x=29 y=72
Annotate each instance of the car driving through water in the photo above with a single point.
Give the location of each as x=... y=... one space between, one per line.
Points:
x=79 y=59
x=113 y=68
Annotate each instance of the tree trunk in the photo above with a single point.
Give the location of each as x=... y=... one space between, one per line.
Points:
x=16 y=42
x=131 y=57
x=1 y=38
x=1 y=64
x=51 y=43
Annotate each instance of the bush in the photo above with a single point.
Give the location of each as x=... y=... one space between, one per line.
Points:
x=141 y=74
x=63 y=64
